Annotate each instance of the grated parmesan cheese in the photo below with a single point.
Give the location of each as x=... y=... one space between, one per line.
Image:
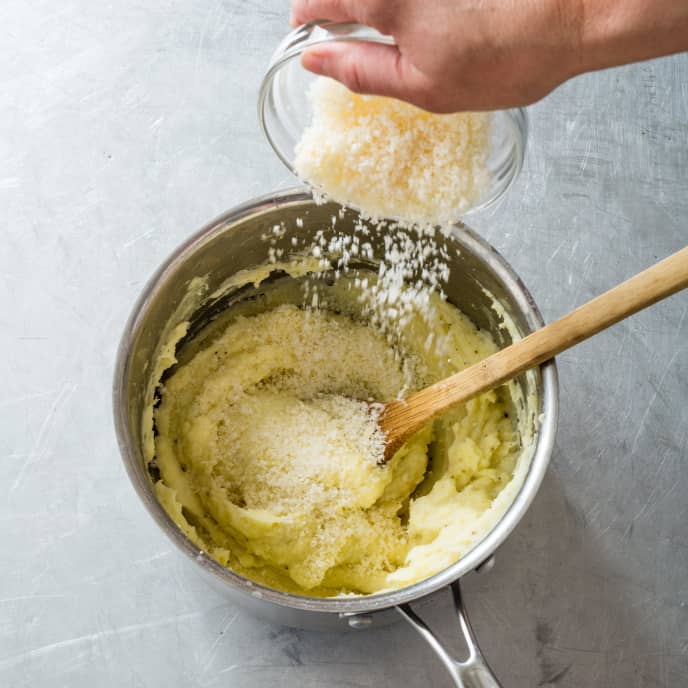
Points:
x=267 y=461
x=391 y=159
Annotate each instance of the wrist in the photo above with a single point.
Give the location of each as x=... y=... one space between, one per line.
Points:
x=617 y=32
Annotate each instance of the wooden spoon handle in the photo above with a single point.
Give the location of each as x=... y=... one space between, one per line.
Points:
x=661 y=280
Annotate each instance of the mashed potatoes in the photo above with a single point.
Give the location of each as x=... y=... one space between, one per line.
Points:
x=268 y=462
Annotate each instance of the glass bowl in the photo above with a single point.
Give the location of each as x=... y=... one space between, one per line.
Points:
x=285 y=110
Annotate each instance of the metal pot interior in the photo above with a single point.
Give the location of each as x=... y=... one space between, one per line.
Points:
x=234 y=242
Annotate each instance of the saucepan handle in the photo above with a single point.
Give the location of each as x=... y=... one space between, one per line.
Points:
x=473 y=672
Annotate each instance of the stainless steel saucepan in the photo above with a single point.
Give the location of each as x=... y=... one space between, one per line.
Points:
x=236 y=241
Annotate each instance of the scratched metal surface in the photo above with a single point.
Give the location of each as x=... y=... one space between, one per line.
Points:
x=123 y=127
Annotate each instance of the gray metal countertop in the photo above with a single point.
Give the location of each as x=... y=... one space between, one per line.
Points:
x=123 y=127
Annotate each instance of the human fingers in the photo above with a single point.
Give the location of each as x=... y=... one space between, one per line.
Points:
x=304 y=11
x=371 y=68
x=379 y=14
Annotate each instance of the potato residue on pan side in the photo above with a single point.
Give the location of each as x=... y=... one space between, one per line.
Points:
x=268 y=463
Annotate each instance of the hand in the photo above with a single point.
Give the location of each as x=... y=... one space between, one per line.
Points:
x=456 y=55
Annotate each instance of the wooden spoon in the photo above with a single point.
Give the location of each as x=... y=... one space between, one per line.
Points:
x=400 y=418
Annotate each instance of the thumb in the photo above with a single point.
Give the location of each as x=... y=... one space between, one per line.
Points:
x=369 y=68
